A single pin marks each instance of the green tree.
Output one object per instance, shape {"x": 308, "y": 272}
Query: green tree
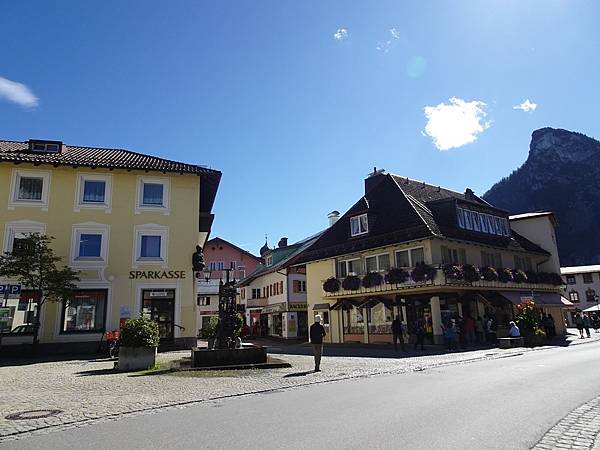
{"x": 35, "y": 266}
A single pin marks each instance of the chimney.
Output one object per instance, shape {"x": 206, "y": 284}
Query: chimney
{"x": 373, "y": 179}
{"x": 333, "y": 217}
{"x": 282, "y": 242}
{"x": 469, "y": 194}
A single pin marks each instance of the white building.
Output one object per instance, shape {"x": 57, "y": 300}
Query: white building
{"x": 583, "y": 285}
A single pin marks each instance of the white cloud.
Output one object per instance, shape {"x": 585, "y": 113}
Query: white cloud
{"x": 17, "y": 93}
{"x": 454, "y": 124}
{"x": 341, "y": 34}
{"x": 395, "y": 33}
{"x": 526, "y": 106}
{"x": 384, "y": 46}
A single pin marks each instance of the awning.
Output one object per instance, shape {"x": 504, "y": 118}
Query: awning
{"x": 539, "y": 298}
{"x": 321, "y": 306}
{"x": 346, "y": 304}
{"x": 592, "y": 309}
{"x": 372, "y": 301}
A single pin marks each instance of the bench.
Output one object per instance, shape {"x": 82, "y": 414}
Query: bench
{"x": 509, "y": 342}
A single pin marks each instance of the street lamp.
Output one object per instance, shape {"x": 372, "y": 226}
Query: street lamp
{"x": 207, "y": 273}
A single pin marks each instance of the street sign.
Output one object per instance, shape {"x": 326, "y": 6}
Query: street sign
{"x": 13, "y": 290}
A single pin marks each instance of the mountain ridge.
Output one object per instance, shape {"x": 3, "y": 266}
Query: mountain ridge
{"x": 562, "y": 175}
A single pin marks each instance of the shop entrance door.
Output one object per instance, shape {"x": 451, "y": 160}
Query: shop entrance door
{"x": 159, "y": 305}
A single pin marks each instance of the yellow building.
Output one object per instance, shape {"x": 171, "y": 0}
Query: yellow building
{"x": 128, "y": 222}
{"x": 429, "y": 255}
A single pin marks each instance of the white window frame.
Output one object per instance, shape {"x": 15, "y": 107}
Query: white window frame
{"x": 379, "y": 269}
{"x": 409, "y": 252}
{"x": 165, "y": 207}
{"x": 17, "y": 174}
{"x": 346, "y": 261}
{"x": 358, "y": 218}
{"x": 269, "y": 260}
{"x": 151, "y": 229}
{"x": 82, "y": 177}
{"x": 11, "y": 229}
{"x": 89, "y": 228}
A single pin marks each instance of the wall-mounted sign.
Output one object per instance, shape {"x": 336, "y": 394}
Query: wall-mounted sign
{"x": 12, "y": 290}
{"x": 156, "y": 274}
{"x": 297, "y": 307}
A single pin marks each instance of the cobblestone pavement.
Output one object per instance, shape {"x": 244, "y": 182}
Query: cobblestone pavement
{"x": 578, "y": 430}
{"x": 86, "y": 391}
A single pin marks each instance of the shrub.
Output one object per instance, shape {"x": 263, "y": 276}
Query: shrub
{"x": 331, "y": 285}
{"x": 209, "y": 330}
{"x": 351, "y": 283}
{"x": 519, "y": 276}
{"x": 140, "y": 332}
{"x": 489, "y": 273}
{"x": 505, "y": 275}
{"x": 372, "y": 279}
{"x": 471, "y": 273}
{"x": 397, "y": 276}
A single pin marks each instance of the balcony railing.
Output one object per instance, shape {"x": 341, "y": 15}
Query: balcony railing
{"x": 440, "y": 281}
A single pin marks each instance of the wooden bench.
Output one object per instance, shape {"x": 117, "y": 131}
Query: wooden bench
{"x": 509, "y": 342}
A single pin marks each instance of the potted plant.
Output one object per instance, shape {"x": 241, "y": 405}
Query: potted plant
{"x": 331, "y": 285}
{"x": 532, "y": 276}
{"x": 471, "y": 273}
{"x": 505, "y": 275}
{"x": 489, "y": 273}
{"x": 453, "y": 272}
{"x": 372, "y": 279}
{"x": 139, "y": 340}
{"x": 423, "y": 272}
{"x": 396, "y": 276}
{"x": 519, "y": 276}
{"x": 351, "y": 283}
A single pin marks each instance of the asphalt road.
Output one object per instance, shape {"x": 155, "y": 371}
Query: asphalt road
{"x": 499, "y": 404}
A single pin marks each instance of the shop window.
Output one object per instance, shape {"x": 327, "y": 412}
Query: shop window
{"x": 587, "y": 278}
{"x": 324, "y": 317}
{"x": 85, "y": 312}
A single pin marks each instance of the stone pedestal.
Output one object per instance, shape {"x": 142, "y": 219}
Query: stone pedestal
{"x": 202, "y": 357}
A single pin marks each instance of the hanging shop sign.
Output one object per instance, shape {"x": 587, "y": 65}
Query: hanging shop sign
{"x": 156, "y": 274}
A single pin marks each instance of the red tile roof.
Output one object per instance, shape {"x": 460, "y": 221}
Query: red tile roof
{"x": 113, "y": 158}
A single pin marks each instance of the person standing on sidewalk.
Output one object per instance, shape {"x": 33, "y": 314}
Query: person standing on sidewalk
{"x": 579, "y": 325}
{"x": 420, "y": 333}
{"x": 317, "y": 332}
{"x": 397, "y": 334}
{"x": 586, "y": 324}
{"x": 469, "y": 326}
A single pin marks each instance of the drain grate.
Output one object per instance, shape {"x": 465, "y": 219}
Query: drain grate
{"x": 33, "y": 414}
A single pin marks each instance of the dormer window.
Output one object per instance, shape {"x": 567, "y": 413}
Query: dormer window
{"x": 269, "y": 260}
{"x": 45, "y": 146}
{"x": 359, "y": 225}
{"x": 483, "y": 223}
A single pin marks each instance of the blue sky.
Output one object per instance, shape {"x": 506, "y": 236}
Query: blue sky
{"x": 296, "y": 102}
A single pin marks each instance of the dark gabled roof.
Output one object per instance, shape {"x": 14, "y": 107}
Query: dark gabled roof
{"x": 217, "y": 239}
{"x": 403, "y": 210}
{"x": 282, "y": 257}
{"x": 111, "y": 158}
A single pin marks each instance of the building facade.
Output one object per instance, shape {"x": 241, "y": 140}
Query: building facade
{"x": 127, "y": 222}
{"x": 220, "y": 255}
{"x": 582, "y": 288}
{"x": 428, "y": 255}
{"x": 274, "y": 295}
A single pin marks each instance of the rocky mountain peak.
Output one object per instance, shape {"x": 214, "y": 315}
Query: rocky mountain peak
{"x": 562, "y": 175}
{"x": 556, "y": 143}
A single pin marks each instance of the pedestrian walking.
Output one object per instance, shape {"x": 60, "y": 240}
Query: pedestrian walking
{"x": 579, "y": 324}
{"x": 480, "y": 329}
{"x": 420, "y": 333}
{"x": 450, "y": 335}
{"x": 469, "y": 326}
{"x": 317, "y": 333}
{"x": 586, "y": 324}
{"x": 397, "y": 334}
